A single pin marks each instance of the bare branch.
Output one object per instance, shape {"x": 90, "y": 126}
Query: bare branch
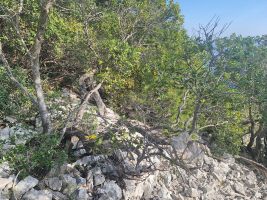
{"x": 81, "y": 109}
{"x": 181, "y": 106}
{"x": 212, "y": 125}
{"x": 195, "y": 115}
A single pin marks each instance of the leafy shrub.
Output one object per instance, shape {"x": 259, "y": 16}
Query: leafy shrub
{"x": 12, "y": 101}
{"x": 227, "y": 139}
{"x": 36, "y": 157}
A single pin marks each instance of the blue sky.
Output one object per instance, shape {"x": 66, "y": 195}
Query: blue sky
{"x": 247, "y": 17}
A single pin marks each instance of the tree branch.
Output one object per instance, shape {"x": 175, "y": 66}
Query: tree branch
{"x": 81, "y": 109}
{"x": 181, "y": 106}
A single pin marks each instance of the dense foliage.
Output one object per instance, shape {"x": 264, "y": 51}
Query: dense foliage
{"x": 150, "y": 68}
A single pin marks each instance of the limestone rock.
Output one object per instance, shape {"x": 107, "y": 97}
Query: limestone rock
{"x": 37, "y": 194}
{"x": 87, "y": 160}
{"x": 5, "y": 170}
{"x": 239, "y": 188}
{"x": 10, "y": 119}
{"x": 82, "y": 194}
{"x": 99, "y": 179}
{"x": 180, "y": 142}
{"x": 54, "y": 183}
{"x": 134, "y": 190}
{"x": 90, "y": 181}
{"x": 69, "y": 184}
{"x": 58, "y": 195}
{"x": 4, "y": 195}
{"x": 110, "y": 191}
{"x": 81, "y": 182}
{"x": 24, "y": 186}
{"x": 192, "y": 192}
{"x": 4, "y": 133}
{"x": 4, "y": 182}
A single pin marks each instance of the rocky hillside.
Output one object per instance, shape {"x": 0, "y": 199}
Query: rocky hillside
{"x": 181, "y": 168}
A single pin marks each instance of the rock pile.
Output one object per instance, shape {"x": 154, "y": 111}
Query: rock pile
{"x": 121, "y": 176}
{"x": 99, "y": 177}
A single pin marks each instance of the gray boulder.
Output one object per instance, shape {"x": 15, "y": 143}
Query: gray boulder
{"x": 37, "y": 195}
{"x": 110, "y": 191}
{"x": 5, "y": 170}
{"x": 54, "y": 183}
{"x": 179, "y": 142}
{"x": 6, "y": 182}
{"x": 24, "y": 186}
{"x": 82, "y": 194}
{"x": 69, "y": 184}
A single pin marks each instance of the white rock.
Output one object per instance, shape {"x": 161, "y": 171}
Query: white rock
{"x": 5, "y": 133}
{"x": 37, "y": 195}
{"x": 99, "y": 179}
{"x": 220, "y": 172}
{"x": 24, "y": 186}
{"x": 89, "y": 160}
{"x": 82, "y": 194}
{"x": 96, "y": 171}
{"x": 74, "y": 140}
{"x": 90, "y": 181}
{"x": 228, "y": 191}
{"x": 81, "y": 182}
{"x": 134, "y": 189}
{"x": 54, "y": 183}
{"x": 239, "y": 188}
{"x": 4, "y": 182}
{"x": 194, "y": 154}
{"x": 149, "y": 187}
{"x": 4, "y": 195}
{"x": 180, "y": 142}
{"x": 167, "y": 177}
{"x": 69, "y": 183}
{"x": 228, "y": 158}
{"x": 10, "y": 119}
{"x": 58, "y": 195}
{"x": 164, "y": 193}
{"x": 110, "y": 191}
{"x": 192, "y": 192}
{"x": 5, "y": 170}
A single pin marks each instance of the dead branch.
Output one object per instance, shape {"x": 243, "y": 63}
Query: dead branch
{"x": 195, "y": 115}
{"x": 212, "y": 125}
{"x": 181, "y": 106}
{"x": 81, "y": 109}
{"x": 99, "y": 102}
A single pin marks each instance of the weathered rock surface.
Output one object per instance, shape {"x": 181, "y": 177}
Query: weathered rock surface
{"x": 198, "y": 176}
{"x": 54, "y": 183}
{"x": 24, "y": 186}
{"x": 110, "y": 191}
{"x": 37, "y": 194}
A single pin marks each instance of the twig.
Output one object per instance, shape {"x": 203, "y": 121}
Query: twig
{"x": 79, "y": 110}
{"x": 14, "y": 181}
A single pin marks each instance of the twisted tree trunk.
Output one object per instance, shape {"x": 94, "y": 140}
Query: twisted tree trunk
{"x": 35, "y": 65}
{"x": 34, "y": 57}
